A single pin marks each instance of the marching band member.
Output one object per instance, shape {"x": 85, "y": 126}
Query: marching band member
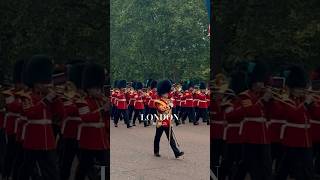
{"x": 122, "y": 106}
{"x": 153, "y": 96}
{"x": 39, "y": 143}
{"x": 202, "y": 103}
{"x": 13, "y": 112}
{"x": 138, "y": 104}
{"x": 71, "y": 120}
{"x": 189, "y": 108}
{"x": 93, "y": 132}
{"x": 234, "y": 114}
{"x": 253, "y": 129}
{"x": 164, "y": 107}
{"x": 295, "y": 133}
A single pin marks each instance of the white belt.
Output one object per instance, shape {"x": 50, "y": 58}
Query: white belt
{"x": 276, "y": 121}
{"x": 314, "y": 121}
{"x": 6, "y": 117}
{"x": 257, "y": 119}
{"x": 91, "y": 125}
{"x": 293, "y": 125}
{"x": 22, "y": 118}
{"x": 68, "y": 119}
{"x": 122, "y": 100}
{"x": 234, "y": 125}
{"x": 189, "y": 99}
{"x": 35, "y": 122}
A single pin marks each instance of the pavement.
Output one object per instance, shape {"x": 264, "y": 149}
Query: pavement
{"x": 132, "y": 154}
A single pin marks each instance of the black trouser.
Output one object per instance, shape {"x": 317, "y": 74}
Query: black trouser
{"x": 124, "y": 113}
{"x": 153, "y": 111}
{"x": 2, "y": 149}
{"x": 256, "y": 161}
{"x": 130, "y": 110}
{"x": 188, "y": 112}
{"x": 276, "y": 154}
{"x": 181, "y": 112}
{"x": 231, "y": 161}
{"x": 10, "y": 155}
{"x": 45, "y": 161}
{"x": 113, "y": 111}
{"x": 90, "y": 163}
{"x": 18, "y": 162}
{"x": 316, "y": 156}
{"x": 174, "y": 114}
{"x": 157, "y": 139}
{"x": 137, "y": 114}
{"x": 296, "y": 162}
{"x": 203, "y": 113}
{"x": 69, "y": 150}
{"x": 216, "y": 152}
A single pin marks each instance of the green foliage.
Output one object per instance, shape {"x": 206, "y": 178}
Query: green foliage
{"x": 271, "y": 29}
{"x": 62, "y": 29}
{"x": 159, "y": 39}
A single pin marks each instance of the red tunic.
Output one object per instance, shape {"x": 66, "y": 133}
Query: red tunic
{"x": 253, "y": 127}
{"x": 314, "y": 112}
{"x": 188, "y": 97}
{"x": 296, "y": 131}
{"x": 71, "y": 120}
{"x": 138, "y": 103}
{"x": 202, "y": 100}
{"x": 153, "y": 96}
{"x": 93, "y": 133}
{"x": 38, "y": 132}
{"x": 13, "y": 110}
{"x": 218, "y": 120}
{"x": 121, "y": 101}
{"x": 234, "y": 114}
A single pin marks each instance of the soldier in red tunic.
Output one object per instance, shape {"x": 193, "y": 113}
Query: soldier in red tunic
{"x": 39, "y": 143}
{"x": 93, "y": 132}
{"x": 253, "y": 130}
{"x": 189, "y": 106}
{"x": 13, "y": 111}
{"x": 233, "y": 114}
{"x": 113, "y": 99}
{"x": 138, "y": 104}
{"x": 295, "y": 133}
{"x": 202, "y": 103}
{"x": 122, "y": 105}
{"x": 71, "y": 120}
{"x": 153, "y": 96}
{"x": 164, "y": 124}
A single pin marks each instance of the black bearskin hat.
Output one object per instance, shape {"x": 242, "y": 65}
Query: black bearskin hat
{"x": 75, "y": 74}
{"x": 297, "y": 77}
{"x": 239, "y": 82}
{"x": 139, "y": 85}
{"x": 190, "y": 85}
{"x": 115, "y": 85}
{"x": 202, "y": 85}
{"x": 185, "y": 86}
{"x": 259, "y": 73}
{"x": 149, "y": 82}
{"x": 39, "y": 70}
{"x": 122, "y": 84}
{"x": 93, "y": 76}
{"x": 17, "y": 71}
{"x": 153, "y": 84}
{"x": 164, "y": 87}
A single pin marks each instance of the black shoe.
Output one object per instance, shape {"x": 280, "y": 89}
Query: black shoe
{"x": 183, "y": 122}
{"x": 179, "y": 154}
{"x": 133, "y": 124}
{"x": 128, "y": 126}
{"x": 157, "y": 155}
{"x": 195, "y": 123}
{"x": 116, "y": 125}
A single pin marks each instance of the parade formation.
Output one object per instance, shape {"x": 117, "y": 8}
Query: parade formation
{"x": 265, "y": 124}
{"x": 51, "y": 114}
